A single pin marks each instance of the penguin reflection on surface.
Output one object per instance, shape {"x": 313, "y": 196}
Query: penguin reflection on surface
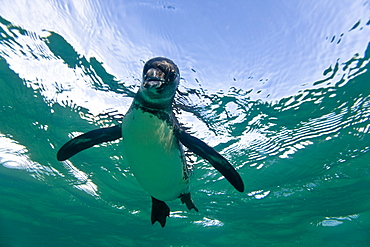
{"x": 152, "y": 141}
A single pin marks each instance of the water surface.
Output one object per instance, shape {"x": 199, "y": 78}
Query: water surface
{"x": 281, "y": 89}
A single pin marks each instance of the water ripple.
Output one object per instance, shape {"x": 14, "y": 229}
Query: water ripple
{"x": 281, "y": 147}
{"x": 257, "y": 132}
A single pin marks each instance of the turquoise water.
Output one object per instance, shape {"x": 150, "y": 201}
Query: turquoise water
{"x": 281, "y": 90}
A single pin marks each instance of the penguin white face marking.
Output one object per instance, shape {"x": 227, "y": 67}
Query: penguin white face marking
{"x": 160, "y": 80}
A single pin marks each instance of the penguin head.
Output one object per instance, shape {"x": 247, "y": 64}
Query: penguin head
{"x": 161, "y": 78}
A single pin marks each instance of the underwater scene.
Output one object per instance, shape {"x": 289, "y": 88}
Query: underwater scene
{"x": 281, "y": 89}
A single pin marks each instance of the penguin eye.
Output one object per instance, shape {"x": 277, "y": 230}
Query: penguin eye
{"x": 171, "y": 75}
{"x": 169, "y": 72}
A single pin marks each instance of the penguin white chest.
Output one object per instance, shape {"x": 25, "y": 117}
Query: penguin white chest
{"x": 154, "y": 155}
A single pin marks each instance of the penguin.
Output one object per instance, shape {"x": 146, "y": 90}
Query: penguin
{"x": 153, "y": 142}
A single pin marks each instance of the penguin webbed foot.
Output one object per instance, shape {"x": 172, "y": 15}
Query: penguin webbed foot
{"x": 160, "y": 211}
{"x": 185, "y": 198}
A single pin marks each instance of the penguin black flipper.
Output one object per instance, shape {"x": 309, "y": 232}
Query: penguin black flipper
{"x": 217, "y": 161}
{"x": 88, "y": 140}
{"x": 160, "y": 211}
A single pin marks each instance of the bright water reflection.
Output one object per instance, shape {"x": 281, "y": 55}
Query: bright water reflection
{"x": 276, "y": 49}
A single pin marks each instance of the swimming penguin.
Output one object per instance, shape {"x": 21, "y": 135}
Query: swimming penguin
{"x": 152, "y": 141}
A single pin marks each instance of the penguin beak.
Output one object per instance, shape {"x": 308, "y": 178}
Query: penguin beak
{"x": 155, "y": 83}
{"x": 154, "y": 78}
